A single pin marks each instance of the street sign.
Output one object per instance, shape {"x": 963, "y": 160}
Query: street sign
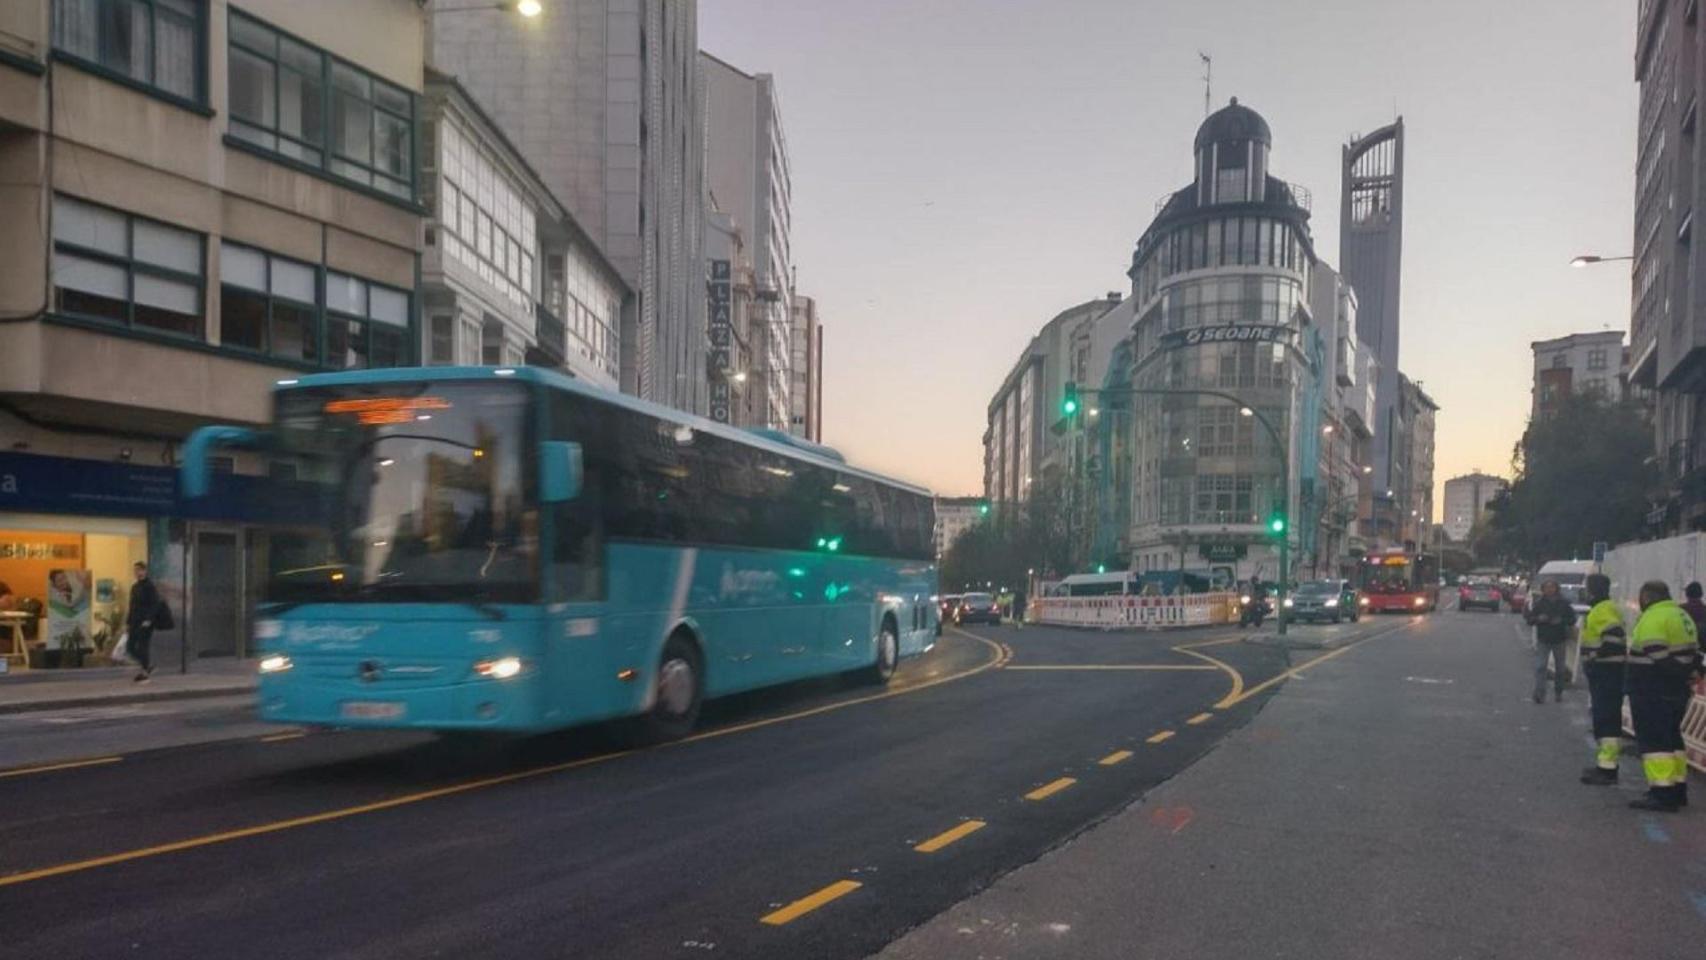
{"x": 1228, "y": 333}
{"x": 1599, "y": 551}
{"x": 1223, "y": 552}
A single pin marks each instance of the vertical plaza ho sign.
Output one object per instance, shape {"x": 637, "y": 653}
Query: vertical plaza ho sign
{"x": 721, "y": 333}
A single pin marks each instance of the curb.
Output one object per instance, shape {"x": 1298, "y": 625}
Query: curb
{"x": 123, "y": 699}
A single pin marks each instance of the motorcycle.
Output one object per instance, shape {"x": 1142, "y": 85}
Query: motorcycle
{"x": 1252, "y": 610}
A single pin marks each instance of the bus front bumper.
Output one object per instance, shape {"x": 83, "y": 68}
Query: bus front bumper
{"x": 512, "y": 705}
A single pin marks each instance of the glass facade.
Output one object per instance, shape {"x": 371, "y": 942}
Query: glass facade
{"x": 154, "y": 43}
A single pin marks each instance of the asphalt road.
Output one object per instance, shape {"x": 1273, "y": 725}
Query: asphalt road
{"x": 791, "y": 826}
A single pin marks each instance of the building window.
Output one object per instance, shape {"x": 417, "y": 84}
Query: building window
{"x": 366, "y": 324}
{"x": 272, "y": 305}
{"x": 115, "y": 267}
{"x": 1560, "y": 361}
{"x": 442, "y": 348}
{"x": 1596, "y": 359}
{"x": 302, "y": 103}
{"x": 155, "y": 43}
{"x": 487, "y": 224}
{"x": 268, "y": 304}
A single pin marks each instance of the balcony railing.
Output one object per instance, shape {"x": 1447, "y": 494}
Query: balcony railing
{"x": 552, "y": 334}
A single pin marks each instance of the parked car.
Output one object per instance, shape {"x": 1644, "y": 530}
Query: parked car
{"x": 1332, "y": 600}
{"x": 977, "y": 608}
{"x": 1479, "y": 593}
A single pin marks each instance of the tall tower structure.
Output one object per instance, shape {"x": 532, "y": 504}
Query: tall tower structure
{"x": 1371, "y": 243}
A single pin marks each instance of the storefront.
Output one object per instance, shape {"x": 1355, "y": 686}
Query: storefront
{"x": 72, "y": 529}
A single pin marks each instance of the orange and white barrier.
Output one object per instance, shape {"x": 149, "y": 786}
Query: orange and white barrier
{"x": 1117, "y": 612}
{"x": 1694, "y": 729}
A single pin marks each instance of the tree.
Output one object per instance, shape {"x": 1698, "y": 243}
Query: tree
{"x": 1581, "y": 475}
{"x": 1033, "y": 534}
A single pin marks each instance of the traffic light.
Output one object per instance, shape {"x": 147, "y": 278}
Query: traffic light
{"x": 983, "y": 509}
{"x": 1069, "y": 401}
{"x": 1276, "y": 523}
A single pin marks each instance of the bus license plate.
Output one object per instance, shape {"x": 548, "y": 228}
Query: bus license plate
{"x": 371, "y": 710}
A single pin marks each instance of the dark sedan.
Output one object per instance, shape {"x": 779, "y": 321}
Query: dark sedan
{"x": 978, "y": 608}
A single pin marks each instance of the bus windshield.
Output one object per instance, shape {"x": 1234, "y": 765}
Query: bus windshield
{"x": 1391, "y": 575}
{"x": 424, "y": 493}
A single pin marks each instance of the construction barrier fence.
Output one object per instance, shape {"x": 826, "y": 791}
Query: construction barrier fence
{"x": 1116, "y": 612}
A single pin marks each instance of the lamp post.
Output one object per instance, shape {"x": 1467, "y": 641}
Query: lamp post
{"x": 1280, "y": 447}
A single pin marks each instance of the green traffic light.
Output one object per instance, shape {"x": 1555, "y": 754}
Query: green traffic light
{"x": 1277, "y": 524}
{"x": 983, "y": 509}
{"x": 1070, "y": 407}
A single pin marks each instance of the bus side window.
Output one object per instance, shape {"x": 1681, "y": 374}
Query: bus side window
{"x": 577, "y": 548}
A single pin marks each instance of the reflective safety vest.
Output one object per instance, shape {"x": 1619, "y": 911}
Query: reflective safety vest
{"x": 1602, "y": 633}
{"x": 1665, "y": 634}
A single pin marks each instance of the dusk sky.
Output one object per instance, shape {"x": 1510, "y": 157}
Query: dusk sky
{"x": 965, "y": 169}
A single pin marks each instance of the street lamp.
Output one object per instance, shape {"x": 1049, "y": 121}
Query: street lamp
{"x": 1587, "y": 258}
{"x": 524, "y": 8}
{"x": 1367, "y": 468}
{"x": 1327, "y": 430}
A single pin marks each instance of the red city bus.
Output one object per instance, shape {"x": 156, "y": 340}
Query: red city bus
{"x": 1400, "y": 581}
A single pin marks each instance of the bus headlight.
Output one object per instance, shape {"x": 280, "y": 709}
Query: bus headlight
{"x": 277, "y": 663}
{"x": 500, "y": 669}
{"x": 1363, "y": 601}
{"x": 1421, "y": 601}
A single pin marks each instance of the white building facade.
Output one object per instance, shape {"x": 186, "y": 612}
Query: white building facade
{"x": 508, "y": 276}
{"x": 954, "y": 516}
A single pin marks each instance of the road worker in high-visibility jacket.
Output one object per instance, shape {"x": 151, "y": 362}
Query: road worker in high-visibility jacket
{"x": 1663, "y": 652}
{"x": 1604, "y": 648}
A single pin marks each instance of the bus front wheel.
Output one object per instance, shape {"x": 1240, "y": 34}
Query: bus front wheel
{"x": 677, "y": 693}
{"x": 888, "y": 655}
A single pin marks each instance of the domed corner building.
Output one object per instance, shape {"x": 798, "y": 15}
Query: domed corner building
{"x": 1221, "y": 281}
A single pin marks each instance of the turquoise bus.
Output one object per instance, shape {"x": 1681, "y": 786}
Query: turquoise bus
{"x": 510, "y": 549}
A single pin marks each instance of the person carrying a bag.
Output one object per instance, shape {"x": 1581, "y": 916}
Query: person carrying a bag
{"x": 148, "y": 612}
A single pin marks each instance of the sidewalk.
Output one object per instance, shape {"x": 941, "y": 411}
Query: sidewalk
{"x": 1404, "y": 800}
{"x": 34, "y": 690}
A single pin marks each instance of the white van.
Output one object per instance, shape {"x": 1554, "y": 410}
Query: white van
{"x": 1572, "y": 577}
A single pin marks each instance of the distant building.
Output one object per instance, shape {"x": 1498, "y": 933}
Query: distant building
{"x": 1339, "y": 497}
{"x": 1414, "y": 503}
{"x": 747, "y": 178}
{"x": 1371, "y": 242}
{"x": 954, "y": 516}
{"x": 1021, "y": 439}
{"x": 604, "y": 99}
{"x": 1578, "y": 363}
{"x": 1466, "y": 500}
{"x": 806, "y": 397}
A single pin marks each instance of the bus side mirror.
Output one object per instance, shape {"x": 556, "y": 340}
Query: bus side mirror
{"x": 193, "y": 473}
{"x": 559, "y": 471}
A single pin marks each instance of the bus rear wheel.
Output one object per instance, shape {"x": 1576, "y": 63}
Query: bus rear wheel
{"x": 677, "y": 693}
{"x": 888, "y": 655}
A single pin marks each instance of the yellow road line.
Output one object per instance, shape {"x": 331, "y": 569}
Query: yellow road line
{"x": 946, "y": 837}
{"x": 1233, "y": 695}
{"x": 1118, "y": 756}
{"x": 1200, "y": 718}
{"x": 277, "y": 826}
{"x": 1161, "y": 737}
{"x": 805, "y": 905}
{"x": 67, "y": 765}
{"x": 1112, "y": 666}
{"x": 1050, "y": 789}
{"x": 281, "y": 737}
{"x": 1294, "y": 671}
